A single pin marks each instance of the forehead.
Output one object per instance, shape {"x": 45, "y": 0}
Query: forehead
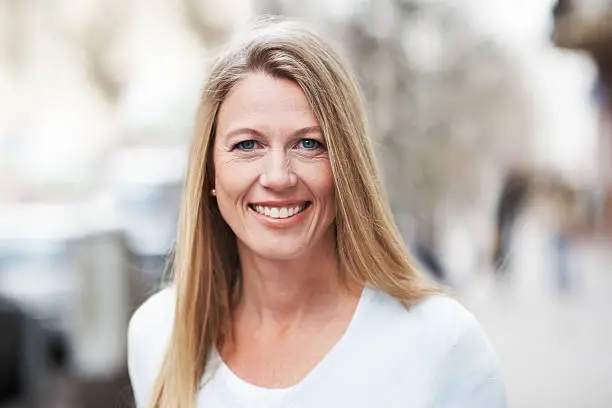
{"x": 262, "y": 97}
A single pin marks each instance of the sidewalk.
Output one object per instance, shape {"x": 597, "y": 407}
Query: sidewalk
{"x": 555, "y": 348}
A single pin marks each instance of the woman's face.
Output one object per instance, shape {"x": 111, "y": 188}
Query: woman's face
{"x": 273, "y": 178}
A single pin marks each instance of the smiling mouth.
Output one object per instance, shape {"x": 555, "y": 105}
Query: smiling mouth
{"x": 280, "y": 212}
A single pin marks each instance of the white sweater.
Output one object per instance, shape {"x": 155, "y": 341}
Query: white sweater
{"x": 434, "y": 355}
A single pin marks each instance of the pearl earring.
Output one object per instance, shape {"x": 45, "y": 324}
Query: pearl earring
{"x": 213, "y": 192}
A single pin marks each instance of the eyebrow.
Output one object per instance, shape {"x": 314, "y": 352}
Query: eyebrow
{"x": 256, "y": 133}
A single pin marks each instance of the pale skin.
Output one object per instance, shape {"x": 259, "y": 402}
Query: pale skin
{"x": 269, "y": 153}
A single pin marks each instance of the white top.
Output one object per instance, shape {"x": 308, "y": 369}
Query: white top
{"x": 247, "y": 394}
{"x": 434, "y": 355}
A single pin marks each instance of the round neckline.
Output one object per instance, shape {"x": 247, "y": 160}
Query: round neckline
{"x": 230, "y": 376}
{"x": 366, "y": 294}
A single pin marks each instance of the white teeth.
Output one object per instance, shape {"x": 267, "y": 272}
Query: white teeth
{"x": 279, "y": 212}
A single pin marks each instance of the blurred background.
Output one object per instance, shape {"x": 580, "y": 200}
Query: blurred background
{"x": 492, "y": 122}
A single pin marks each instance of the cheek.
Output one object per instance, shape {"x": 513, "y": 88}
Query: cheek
{"x": 230, "y": 185}
{"x": 232, "y": 178}
{"x": 321, "y": 181}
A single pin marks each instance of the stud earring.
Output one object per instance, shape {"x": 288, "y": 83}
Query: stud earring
{"x": 213, "y": 192}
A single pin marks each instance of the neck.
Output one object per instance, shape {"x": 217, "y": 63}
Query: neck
{"x": 282, "y": 293}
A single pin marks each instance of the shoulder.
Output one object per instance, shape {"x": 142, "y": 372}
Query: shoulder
{"x": 428, "y": 328}
{"x": 463, "y": 335}
{"x": 447, "y": 315}
{"x": 149, "y": 332}
{"x": 444, "y": 339}
{"x": 436, "y": 316}
{"x": 160, "y": 304}
{"x": 468, "y": 371}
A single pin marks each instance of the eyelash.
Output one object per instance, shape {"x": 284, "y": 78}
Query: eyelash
{"x": 240, "y": 145}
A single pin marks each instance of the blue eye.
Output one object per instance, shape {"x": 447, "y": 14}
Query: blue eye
{"x": 309, "y": 144}
{"x": 247, "y": 145}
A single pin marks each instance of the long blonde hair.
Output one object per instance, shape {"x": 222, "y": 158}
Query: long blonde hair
{"x": 369, "y": 247}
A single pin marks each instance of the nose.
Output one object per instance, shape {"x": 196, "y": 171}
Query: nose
{"x": 277, "y": 173}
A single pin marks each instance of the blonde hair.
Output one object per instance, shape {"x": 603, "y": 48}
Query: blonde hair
{"x": 369, "y": 248}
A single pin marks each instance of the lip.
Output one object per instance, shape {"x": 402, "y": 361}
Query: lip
{"x": 280, "y": 222}
{"x": 284, "y": 203}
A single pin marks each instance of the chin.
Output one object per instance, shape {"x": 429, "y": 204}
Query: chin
{"x": 279, "y": 252}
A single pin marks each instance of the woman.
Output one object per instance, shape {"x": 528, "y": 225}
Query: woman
{"x": 291, "y": 285}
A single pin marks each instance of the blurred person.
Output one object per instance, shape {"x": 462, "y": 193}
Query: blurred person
{"x": 512, "y": 200}
{"x": 520, "y": 187}
{"x": 24, "y": 357}
{"x": 11, "y": 376}
{"x": 561, "y": 8}
{"x": 291, "y": 286}
{"x": 428, "y": 256}
{"x": 422, "y": 246}
{"x": 565, "y": 200}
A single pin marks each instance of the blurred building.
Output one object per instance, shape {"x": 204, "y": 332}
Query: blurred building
{"x": 586, "y": 26}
